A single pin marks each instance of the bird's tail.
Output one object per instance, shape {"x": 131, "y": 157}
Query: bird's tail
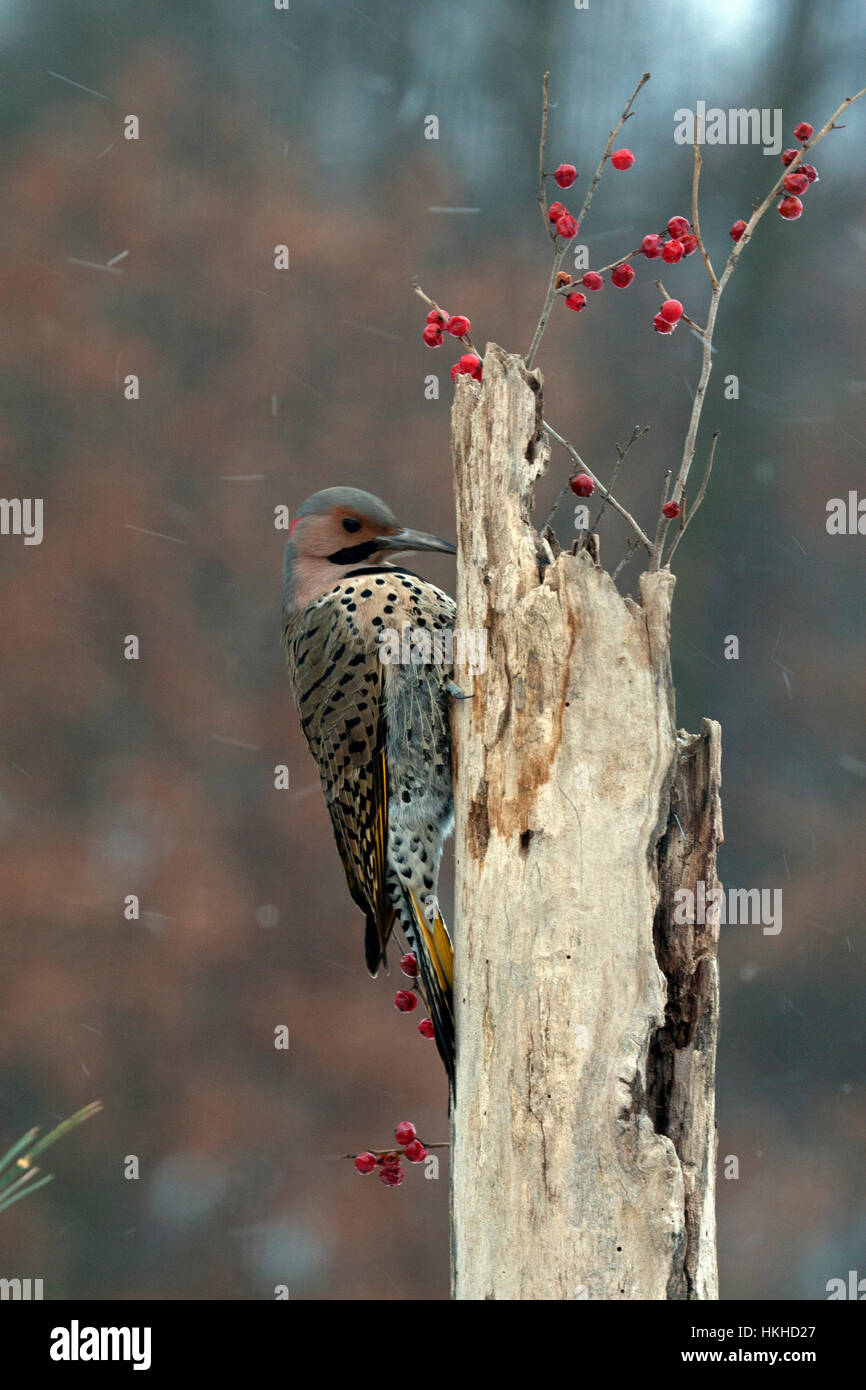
{"x": 435, "y": 956}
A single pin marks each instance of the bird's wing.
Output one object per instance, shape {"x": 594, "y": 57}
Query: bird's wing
{"x": 338, "y": 683}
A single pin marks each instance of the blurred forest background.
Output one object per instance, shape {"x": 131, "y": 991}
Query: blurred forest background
{"x": 155, "y": 777}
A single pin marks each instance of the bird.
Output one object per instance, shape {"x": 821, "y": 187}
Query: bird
{"x": 371, "y": 669}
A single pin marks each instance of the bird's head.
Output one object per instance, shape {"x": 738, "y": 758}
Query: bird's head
{"x": 337, "y": 530}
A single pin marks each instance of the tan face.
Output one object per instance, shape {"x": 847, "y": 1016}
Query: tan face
{"x": 340, "y": 529}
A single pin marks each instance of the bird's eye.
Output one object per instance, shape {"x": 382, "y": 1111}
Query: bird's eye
{"x": 351, "y": 523}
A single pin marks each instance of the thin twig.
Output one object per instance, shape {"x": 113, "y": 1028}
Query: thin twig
{"x": 696, "y": 225}
{"x": 632, "y": 547}
{"x": 596, "y": 178}
{"x": 446, "y": 1144}
{"x": 559, "y": 252}
{"x": 555, "y": 508}
{"x": 698, "y": 500}
{"x": 637, "y": 433}
{"x": 662, "y": 526}
{"x": 558, "y": 257}
{"x": 606, "y": 494}
{"x": 542, "y": 192}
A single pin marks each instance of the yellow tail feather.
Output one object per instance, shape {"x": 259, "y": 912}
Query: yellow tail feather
{"x": 439, "y": 947}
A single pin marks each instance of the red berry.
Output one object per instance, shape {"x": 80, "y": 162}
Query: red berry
{"x": 405, "y": 1001}
{"x": 788, "y": 156}
{"x": 389, "y": 1160}
{"x": 652, "y": 246}
{"x": 426, "y": 1028}
{"x": 797, "y": 182}
{"x": 672, "y": 251}
{"x": 415, "y": 1151}
{"x": 575, "y": 301}
{"x": 622, "y": 159}
{"x": 811, "y": 172}
{"x": 469, "y": 365}
{"x": 433, "y": 335}
{"x": 437, "y": 316}
{"x": 566, "y": 226}
{"x": 670, "y": 510}
{"x": 592, "y": 280}
{"x": 409, "y": 964}
{"x": 582, "y": 485}
{"x": 365, "y": 1163}
{"x": 556, "y": 210}
{"x": 565, "y": 175}
{"x": 459, "y": 325}
{"x": 671, "y": 310}
{"x": 803, "y": 131}
{"x": 392, "y": 1177}
{"x": 679, "y": 227}
{"x": 790, "y": 209}
{"x": 622, "y": 275}
{"x": 689, "y": 244}
{"x": 405, "y": 1132}
{"x": 737, "y": 230}
{"x": 661, "y": 325}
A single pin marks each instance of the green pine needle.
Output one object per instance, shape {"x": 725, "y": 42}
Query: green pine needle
{"x": 16, "y": 1165}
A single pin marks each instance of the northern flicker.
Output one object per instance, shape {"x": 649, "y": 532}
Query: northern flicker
{"x": 373, "y": 704}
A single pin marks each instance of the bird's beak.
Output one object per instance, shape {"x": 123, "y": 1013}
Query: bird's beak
{"x": 404, "y": 539}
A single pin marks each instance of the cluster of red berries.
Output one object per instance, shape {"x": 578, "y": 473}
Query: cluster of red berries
{"x": 406, "y": 1000}
{"x": 438, "y": 324}
{"x": 621, "y": 276}
{"x": 680, "y": 242}
{"x": 566, "y": 225}
{"x": 390, "y": 1163}
{"x": 790, "y": 206}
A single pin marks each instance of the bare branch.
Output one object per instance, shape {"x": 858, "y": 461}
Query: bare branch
{"x": 632, "y": 547}
{"x": 395, "y": 1148}
{"x": 542, "y": 192}
{"x": 698, "y": 500}
{"x": 596, "y": 178}
{"x": 662, "y": 526}
{"x": 696, "y": 225}
{"x": 558, "y": 256}
{"x": 637, "y": 433}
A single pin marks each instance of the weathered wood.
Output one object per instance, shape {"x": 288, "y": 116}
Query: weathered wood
{"x": 583, "y": 1139}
